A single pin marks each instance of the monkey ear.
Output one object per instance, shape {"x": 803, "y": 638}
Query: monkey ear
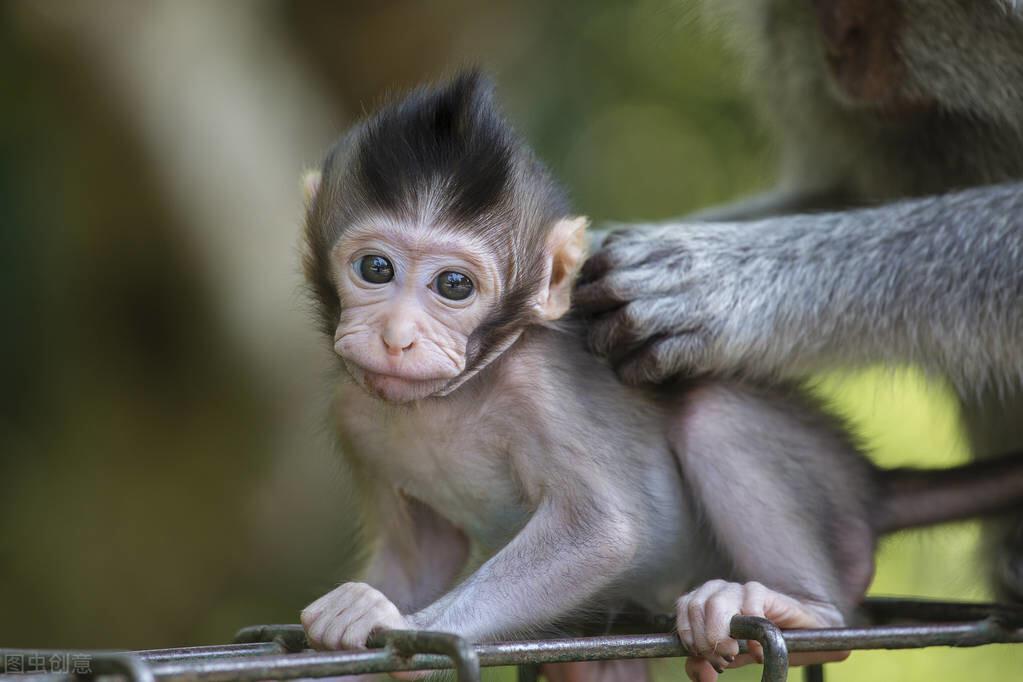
{"x": 310, "y": 186}
{"x": 566, "y": 251}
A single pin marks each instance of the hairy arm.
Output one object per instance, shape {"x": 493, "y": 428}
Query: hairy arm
{"x": 566, "y": 554}
{"x": 417, "y": 558}
{"x": 416, "y": 555}
{"x": 935, "y": 281}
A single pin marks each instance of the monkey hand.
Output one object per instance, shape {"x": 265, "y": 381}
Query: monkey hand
{"x": 704, "y": 617}
{"x": 346, "y": 617}
{"x": 666, "y": 299}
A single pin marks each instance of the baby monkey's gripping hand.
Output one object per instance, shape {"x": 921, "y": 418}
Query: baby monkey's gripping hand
{"x": 346, "y": 617}
{"x": 671, "y": 299}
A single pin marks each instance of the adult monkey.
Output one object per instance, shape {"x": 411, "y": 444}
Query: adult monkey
{"x": 901, "y": 125}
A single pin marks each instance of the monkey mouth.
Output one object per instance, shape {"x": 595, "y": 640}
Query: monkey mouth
{"x": 394, "y": 388}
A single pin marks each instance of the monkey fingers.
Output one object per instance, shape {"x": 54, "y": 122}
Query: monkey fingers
{"x": 620, "y": 282}
{"x": 613, "y": 334}
{"x": 346, "y": 617}
{"x": 651, "y": 335}
{"x": 604, "y": 259}
{"x": 704, "y": 618}
{"x": 663, "y": 357}
{"x": 654, "y": 310}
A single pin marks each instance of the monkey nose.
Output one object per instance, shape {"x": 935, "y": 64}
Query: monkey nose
{"x": 398, "y": 349}
{"x": 398, "y": 343}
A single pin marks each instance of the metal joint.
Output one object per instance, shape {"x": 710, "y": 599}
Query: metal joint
{"x": 776, "y": 651}
{"x": 408, "y": 643}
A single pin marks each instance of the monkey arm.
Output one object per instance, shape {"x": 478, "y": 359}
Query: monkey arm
{"x": 417, "y": 556}
{"x": 935, "y": 281}
{"x": 566, "y": 553}
{"x": 773, "y": 202}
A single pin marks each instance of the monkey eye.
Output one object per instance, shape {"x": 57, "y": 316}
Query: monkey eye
{"x": 375, "y": 269}
{"x": 454, "y": 285}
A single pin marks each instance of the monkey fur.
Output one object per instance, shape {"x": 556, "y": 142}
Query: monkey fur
{"x": 511, "y": 482}
{"x": 894, "y": 234}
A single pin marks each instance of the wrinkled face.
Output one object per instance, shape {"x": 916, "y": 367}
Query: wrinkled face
{"x": 410, "y": 298}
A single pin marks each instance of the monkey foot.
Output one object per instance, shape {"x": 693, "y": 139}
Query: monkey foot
{"x": 704, "y": 618}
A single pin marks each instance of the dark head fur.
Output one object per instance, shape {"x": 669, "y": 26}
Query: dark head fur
{"x": 442, "y": 156}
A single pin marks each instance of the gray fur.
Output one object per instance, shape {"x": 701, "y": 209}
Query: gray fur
{"x": 792, "y": 295}
{"x": 920, "y": 260}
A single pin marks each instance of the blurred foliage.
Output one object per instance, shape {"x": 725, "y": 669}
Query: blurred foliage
{"x": 136, "y": 444}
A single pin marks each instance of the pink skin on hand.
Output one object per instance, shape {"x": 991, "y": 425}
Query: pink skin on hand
{"x": 704, "y": 619}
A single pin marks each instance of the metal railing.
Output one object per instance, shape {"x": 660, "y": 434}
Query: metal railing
{"x": 279, "y": 651}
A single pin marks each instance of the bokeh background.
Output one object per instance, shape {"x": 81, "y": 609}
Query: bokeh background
{"x": 165, "y": 473}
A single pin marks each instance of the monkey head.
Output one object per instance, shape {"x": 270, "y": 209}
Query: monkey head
{"x": 433, "y": 238}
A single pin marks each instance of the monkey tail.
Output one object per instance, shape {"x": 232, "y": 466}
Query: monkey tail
{"x": 912, "y": 498}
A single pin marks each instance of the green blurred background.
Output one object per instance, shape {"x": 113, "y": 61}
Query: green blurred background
{"x": 165, "y": 471}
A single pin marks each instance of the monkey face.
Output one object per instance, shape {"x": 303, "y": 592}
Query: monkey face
{"x": 411, "y": 296}
{"x": 435, "y": 240}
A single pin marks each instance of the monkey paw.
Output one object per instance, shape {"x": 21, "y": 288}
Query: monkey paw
{"x": 659, "y": 300}
{"x": 346, "y": 617}
{"x": 704, "y": 617}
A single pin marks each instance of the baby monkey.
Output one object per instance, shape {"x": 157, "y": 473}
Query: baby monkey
{"x": 511, "y": 482}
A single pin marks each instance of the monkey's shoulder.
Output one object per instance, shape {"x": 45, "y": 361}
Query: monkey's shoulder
{"x": 555, "y": 361}
{"x": 573, "y": 402}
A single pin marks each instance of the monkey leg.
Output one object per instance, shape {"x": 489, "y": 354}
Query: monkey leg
{"x": 704, "y": 618}
{"x": 787, "y": 499}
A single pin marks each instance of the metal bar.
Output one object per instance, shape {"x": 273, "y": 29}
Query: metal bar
{"x": 133, "y": 668}
{"x": 81, "y": 663}
{"x": 813, "y": 673}
{"x": 408, "y": 643}
{"x": 776, "y": 652}
{"x": 218, "y": 651}
{"x": 99, "y": 664}
{"x": 292, "y": 666}
{"x": 887, "y": 609}
{"x": 59, "y": 660}
{"x": 320, "y": 664}
{"x": 292, "y": 637}
{"x": 261, "y": 651}
{"x": 903, "y": 636}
